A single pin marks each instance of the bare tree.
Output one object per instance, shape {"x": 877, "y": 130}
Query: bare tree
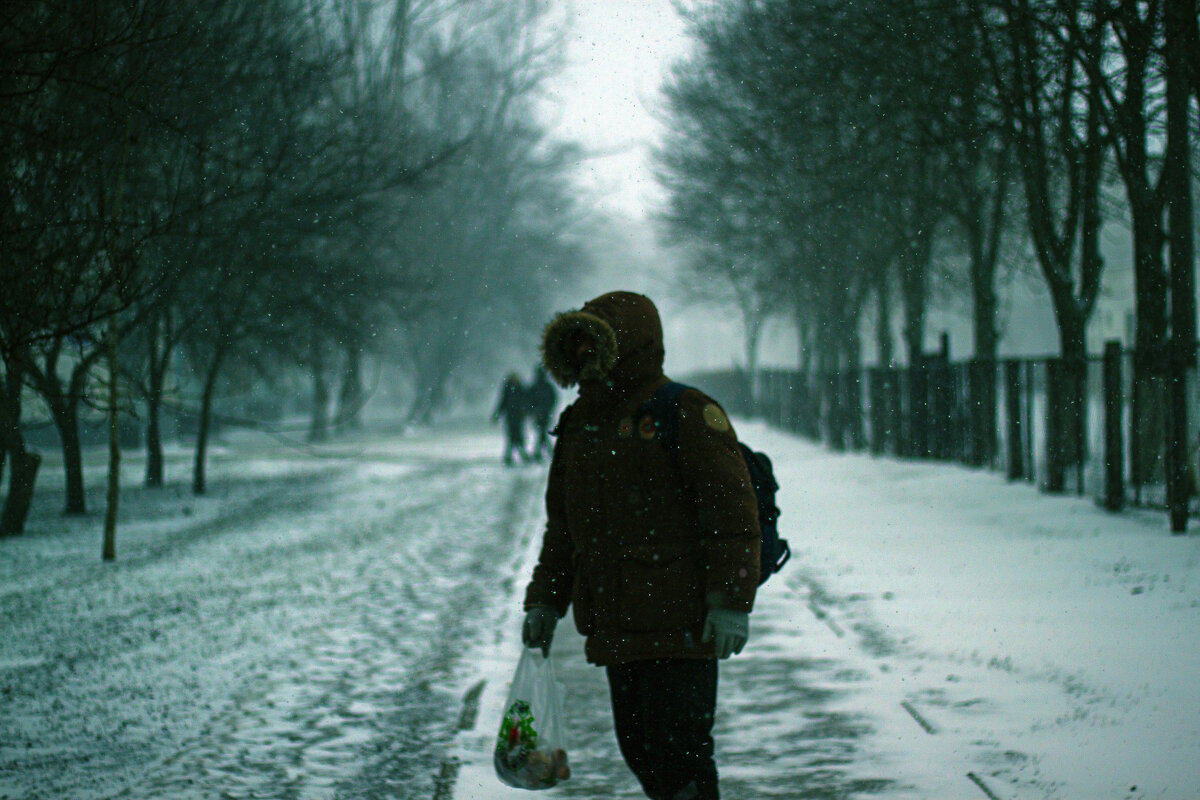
{"x": 1182, "y": 79}
{"x": 1053, "y": 119}
{"x": 492, "y": 228}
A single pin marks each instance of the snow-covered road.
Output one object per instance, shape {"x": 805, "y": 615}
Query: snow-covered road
{"x": 343, "y": 625}
{"x": 297, "y": 633}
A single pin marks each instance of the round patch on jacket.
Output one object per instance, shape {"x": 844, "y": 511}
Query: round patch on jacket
{"x": 715, "y": 418}
{"x": 625, "y": 428}
{"x": 646, "y": 428}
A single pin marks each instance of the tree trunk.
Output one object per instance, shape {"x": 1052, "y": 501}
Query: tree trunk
{"x": 158, "y": 362}
{"x": 805, "y": 339}
{"x": 754, "y": 325}
{"x": 829, "y": 381}
{"x": 1137, "y": 34}
{"x": 1150, "y": 277}
{"x": 1066, "y": 432}
{"x": 318, "y": 428}
{"x": 1150, "y": 344}
{"x": 22, "y": 465}
{"x": 1180, "y": 14}
{"x": 983, "y": 296}
{"x": 350, "y": 398}
{"x": 913, "y": 287}
{"x": 801, "y": 408}
{"x": 113, "y": 497}
{"x": 10, "y": 419}
{"x": 985, "y": 252}
{"x": 22, "y": 478}
{"x": 852, "y": 392}
{"x": 1062, "y": 208}
{"x": 154, "y": 446}
{"x": 427, "y": 401}
{"x": 883, "y": 330}
{"x": 199, "y": 480}
{"x": 914, "y": 271}
{"x": 65, "y": 413}
{"x": 431, "y": 383}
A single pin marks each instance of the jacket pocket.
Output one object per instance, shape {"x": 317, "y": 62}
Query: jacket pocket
{"x": 581, "y": 605}
{"x": 659, "y": 594}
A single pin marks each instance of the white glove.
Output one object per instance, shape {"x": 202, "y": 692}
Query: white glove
{"x": 727, "y": 630}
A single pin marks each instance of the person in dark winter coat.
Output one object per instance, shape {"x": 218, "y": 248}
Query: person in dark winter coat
{"x": 656, "y": 552}
{"x": 542, "y": 400}
{"x": 512, "y": 406}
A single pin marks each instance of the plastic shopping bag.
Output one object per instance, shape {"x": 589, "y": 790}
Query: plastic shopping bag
{"x": 530, "y": 749}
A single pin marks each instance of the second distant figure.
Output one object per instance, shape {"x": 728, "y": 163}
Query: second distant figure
{"x": 542, "y": 398}
{"x": 513, "y": 406}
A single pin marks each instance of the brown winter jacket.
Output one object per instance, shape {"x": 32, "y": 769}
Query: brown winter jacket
{"x": 640, "y": 541}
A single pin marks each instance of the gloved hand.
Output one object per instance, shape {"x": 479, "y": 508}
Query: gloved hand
{"x": 538, "y": 630}
{"x": 727, "y": 630}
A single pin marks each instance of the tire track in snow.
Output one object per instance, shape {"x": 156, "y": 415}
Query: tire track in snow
{"x": 375, "y": 706}
{"x": 307, "y": 662}
{"x": 969, "y": 755}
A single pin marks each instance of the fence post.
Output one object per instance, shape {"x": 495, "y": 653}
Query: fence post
{"x": 1177, "y": 446}
{"x": 852, "y": 411}
{"x": 1015, "y": 428}
{"x": 936, "y": 419}
{"x": 981, "y": 390}
{"x": 938, "y": 412}
{"x": 1077, "y": 443}
{"x": 875, "y": 399}
{"x": 1114, "y": 442}
{"x": 1056, "y": 474}
{"x": 894, "y": 391}
{"x": 1027, "y": 395}
{"x": 794, "y": 401}
{"x": 959, "y": 415}
{"x": 831, "y": 385}
{"x": 918, "y": 409}
{"x": 941, "y": 393}
{"x": 769, "y": 397}
{"x": 808, "y": 406}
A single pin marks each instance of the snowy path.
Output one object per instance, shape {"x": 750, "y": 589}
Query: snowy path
{"x": 939, "y": 634}
{"x": 344, "y": 627}
{"x": 298, "y": 636}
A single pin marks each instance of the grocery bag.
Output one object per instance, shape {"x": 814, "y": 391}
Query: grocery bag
{"x": 530, "y": 751}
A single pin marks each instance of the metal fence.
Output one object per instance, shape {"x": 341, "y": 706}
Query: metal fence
{"x": 1016, "y": 416}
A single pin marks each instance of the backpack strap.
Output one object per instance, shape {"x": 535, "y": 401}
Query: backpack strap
{"x": 664, "y": 410}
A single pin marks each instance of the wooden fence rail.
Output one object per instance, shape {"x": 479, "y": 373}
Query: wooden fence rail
{"x": 1067, "y": 427}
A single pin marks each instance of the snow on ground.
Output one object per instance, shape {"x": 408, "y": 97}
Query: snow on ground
{"x": 315, "y": 626}
{"x": 1041, "y": 627}
{"x": 296, "y": 633}
{"x": 939, "y": 633}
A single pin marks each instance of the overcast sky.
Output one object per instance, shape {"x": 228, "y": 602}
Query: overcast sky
{"x": 618, "y": 52}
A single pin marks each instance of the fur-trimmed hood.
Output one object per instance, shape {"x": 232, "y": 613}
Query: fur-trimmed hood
{"x": 614, "y": 340}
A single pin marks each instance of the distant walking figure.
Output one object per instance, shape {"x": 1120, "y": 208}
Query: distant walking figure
{"x": 512, "y": 405}
{"x": 542, "y": 397}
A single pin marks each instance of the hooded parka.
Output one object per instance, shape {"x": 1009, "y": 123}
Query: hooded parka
{"x": 639, "y": 541}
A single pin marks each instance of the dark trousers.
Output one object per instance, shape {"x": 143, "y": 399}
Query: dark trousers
{"x": 663, "y": 715}
{"x": 514, "y": 441}
{"x": 541, "y": 438}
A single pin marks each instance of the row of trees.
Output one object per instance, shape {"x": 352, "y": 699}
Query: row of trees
{"x": 207, "y": 188}
{"x": 821, "y": 154}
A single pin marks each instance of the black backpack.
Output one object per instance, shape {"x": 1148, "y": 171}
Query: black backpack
{"x": 774, "y": 551}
